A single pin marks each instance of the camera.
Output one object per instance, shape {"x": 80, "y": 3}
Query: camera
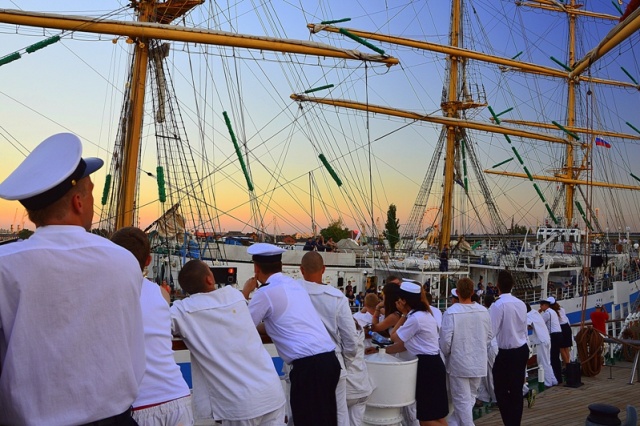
{"x": 224, "y": 275}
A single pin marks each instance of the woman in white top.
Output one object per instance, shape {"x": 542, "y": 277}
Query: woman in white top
{"x": 417, "y": 333}
{"x": 383, "y": 323}
{"x": 567, "y": 337}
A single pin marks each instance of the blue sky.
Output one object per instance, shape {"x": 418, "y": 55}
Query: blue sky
{"x": 76, "y": 85}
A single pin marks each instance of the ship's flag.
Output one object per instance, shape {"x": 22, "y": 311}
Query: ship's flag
{"x": 602, "y": 142}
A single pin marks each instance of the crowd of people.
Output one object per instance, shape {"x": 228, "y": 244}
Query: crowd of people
{"x": 94, "y": 348}
{"x": 319, "y": 244}
{"x": 479, "y": 352}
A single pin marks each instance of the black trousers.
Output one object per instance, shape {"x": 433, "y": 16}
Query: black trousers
{"x": 313, "y": 390}
{"x": 508, "y": 378}
{"x": 123, "y": 419}
{"x": 556, "y": 365}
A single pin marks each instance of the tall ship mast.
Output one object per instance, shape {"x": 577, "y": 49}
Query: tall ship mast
{"x": 578, "y": 138}
{"x": 447, "y": 136}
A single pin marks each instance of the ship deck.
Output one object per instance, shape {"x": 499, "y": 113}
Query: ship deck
{"x": 561, "y": 405}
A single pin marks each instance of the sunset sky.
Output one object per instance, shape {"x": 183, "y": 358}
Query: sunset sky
{"x": 76, "y": 86}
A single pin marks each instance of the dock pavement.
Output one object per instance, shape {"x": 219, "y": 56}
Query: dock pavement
{"x": 567, "y": 406}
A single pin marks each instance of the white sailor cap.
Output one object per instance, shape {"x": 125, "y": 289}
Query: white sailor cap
{"x": 550, "y": 300}
{"x": 265, "y": 253}
{"x": 598, "y": 305}
{"x": 49, "y": 172}
{"x": 454, "y": 293}
{"x": 410, "y": 286}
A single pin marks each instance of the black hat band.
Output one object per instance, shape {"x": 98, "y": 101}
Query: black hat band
{"x": 272, "y": 258}
{"x": 52, "y": 195}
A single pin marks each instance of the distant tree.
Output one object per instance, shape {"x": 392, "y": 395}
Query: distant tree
{"x": 518, "y": 230}
{"x": 392, "y": 228}
{"x": 24, "y": 234}
{"x": 336, "y": 231}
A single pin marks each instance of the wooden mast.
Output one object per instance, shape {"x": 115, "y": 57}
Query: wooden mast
{"x": 131, "y": 145}
{"x": 153, "y": 22}
{"x": 451, "y": 109}
{"x": 571, "y": 172}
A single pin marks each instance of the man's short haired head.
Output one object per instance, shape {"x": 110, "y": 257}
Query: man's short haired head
{"x": 50, "y": 172}
{"x": 464, "y": 288}
{"x": 392, "y": 279}
{"x": 312, "y": 262}
{"x": 57, "y": 211}
{"x": 505, "y": 281}
{"x": 371, "y": 300}
{"x": 193, "y": 276}
{"x": 136, "y": 241}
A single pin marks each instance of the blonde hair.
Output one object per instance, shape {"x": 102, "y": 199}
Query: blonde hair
{"x": 371, "y": 300}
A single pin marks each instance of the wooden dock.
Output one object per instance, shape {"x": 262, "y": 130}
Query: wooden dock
{"x": 567, "y": 406}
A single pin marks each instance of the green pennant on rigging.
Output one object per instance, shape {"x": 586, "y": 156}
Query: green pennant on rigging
{"x": 330, "y": 169}
{"x": 162, "y": 193}
{"x": 237, "y": 148}
{"x": 105, "y": 191}
{"x": 42, "y": 44}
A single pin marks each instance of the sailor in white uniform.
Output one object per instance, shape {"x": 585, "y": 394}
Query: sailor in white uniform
{"x": 552, "y": 321}
{"x": 417, "y": 333}
{"x": 284, "y": 310}
{"x": 164, "y": 398}
{"x": 71, "y": 336}
{"x": 541, "y": 338}
{"x": 234, "y": 380}
{"x": 509, "y": 322}
{"x": 360, "y": 386}
{"x": 464, "y": 337}
{"x": 334, "y": 311}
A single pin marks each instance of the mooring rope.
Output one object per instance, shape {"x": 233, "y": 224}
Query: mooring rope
{"x": 590, "y": 348}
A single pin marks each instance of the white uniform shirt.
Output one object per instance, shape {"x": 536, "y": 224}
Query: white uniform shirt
{"x": 420, "y": 334}
{"x": 359, "y": 384}
{"x": 334, "y": 311}
{"x": 464, "y": 337}
{"x": 363, "y": 318}
{"x": 540, "y": 333}
{"x": 71, "y": 339}
{"x": 233, "y": 375}
{"x": 563, "y": 316}
{"x": 509, "y": 321}
{"x": 551, "y": 320}
{"x": 437, "y": 314}
{"x": 290, "y": 319}
{"x": 162, "y": 380}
